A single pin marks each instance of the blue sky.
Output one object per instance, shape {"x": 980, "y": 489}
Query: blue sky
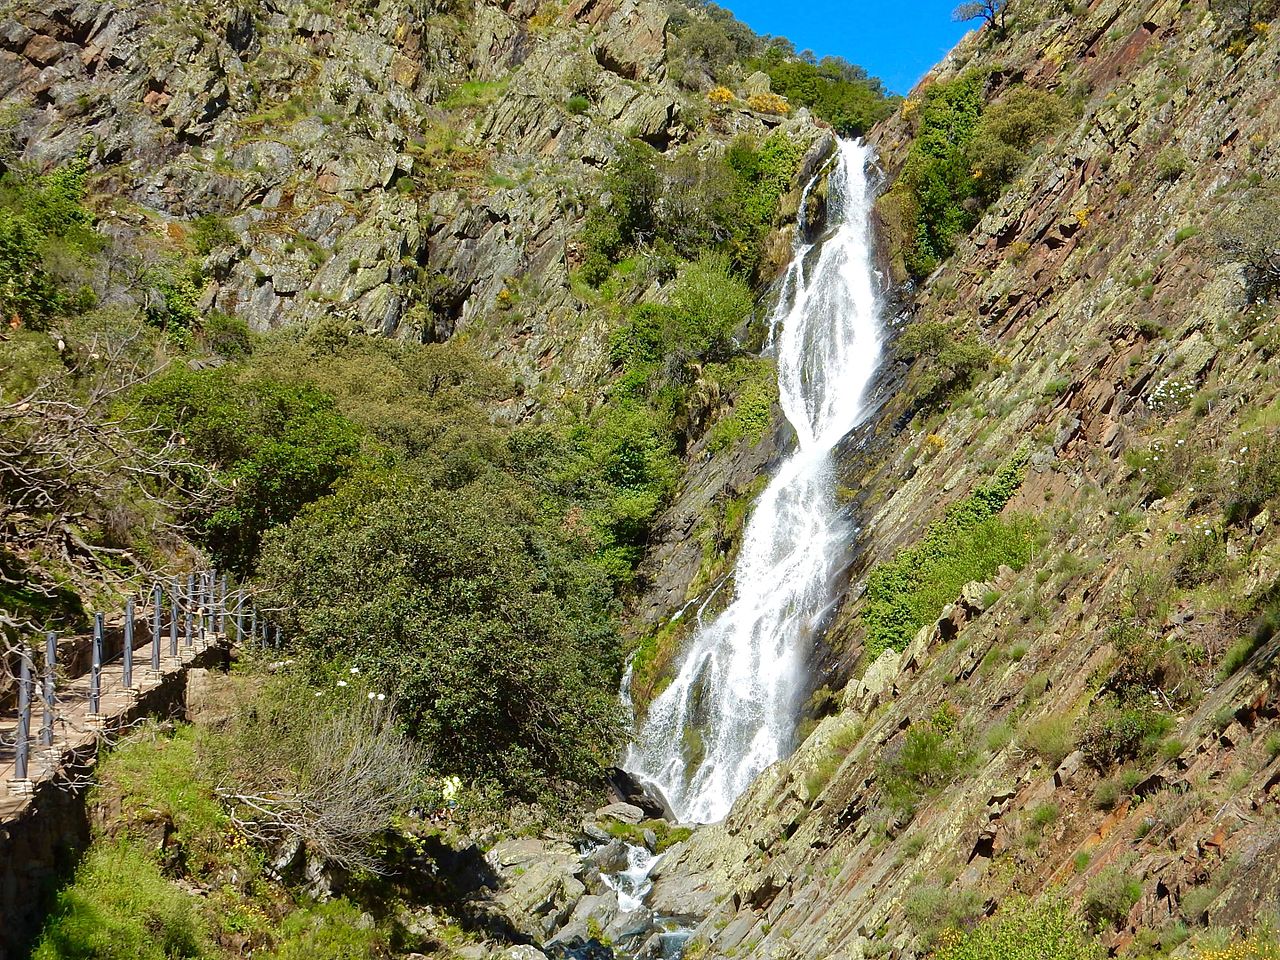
{"x": 896, "y": 40}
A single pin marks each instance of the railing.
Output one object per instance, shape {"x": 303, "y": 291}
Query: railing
{"x": 178, "y": 616}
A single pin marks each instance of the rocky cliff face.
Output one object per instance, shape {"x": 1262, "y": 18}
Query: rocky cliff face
{"x": 407, "y": 168}
{"x": 1132, "y": 371}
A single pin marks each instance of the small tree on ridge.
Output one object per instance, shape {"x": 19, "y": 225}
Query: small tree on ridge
{"x": 991, "y": 11}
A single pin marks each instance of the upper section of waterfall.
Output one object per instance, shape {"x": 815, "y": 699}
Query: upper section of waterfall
{"x": 730, "y": 711}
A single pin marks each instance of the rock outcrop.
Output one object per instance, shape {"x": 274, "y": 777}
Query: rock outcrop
{"x": 1098, "y": 280}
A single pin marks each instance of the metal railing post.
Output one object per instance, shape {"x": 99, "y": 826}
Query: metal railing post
{"x": 95, "y": 669}
{"x": 157, "y": 601}
{"x": 128, "y": 644}
{"x": 22, "y": 751}
{"x": 173, "y": 620}
{"x": 50, "y": 664}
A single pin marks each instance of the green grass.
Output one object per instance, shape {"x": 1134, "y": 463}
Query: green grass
{"x": 476, "y": 93}
{"x": 330, "y": 931}
{"x": 120, "y": 907}
{"x": 969, "y": 543}
{"x": 163, "y": 779}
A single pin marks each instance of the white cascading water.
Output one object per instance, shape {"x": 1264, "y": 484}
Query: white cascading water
{"x": 740, "y": 680}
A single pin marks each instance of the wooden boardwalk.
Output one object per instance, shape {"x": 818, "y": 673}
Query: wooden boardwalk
{"x": 76, "y": 734}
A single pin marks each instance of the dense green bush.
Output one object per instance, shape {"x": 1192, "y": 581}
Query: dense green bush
{"x": 689, "y": 204}
{"x": 1109, "y": 898}
{"x": 936, "y": 179}
{"x": 935, "y": 910}
{"x": 488, "y": 622}
{"x": 945, "y": 357}
{"x": 46, "y": 234}
{"x": 1257, "y": 478}
{"x": 932, "y": 755}
{"x": 970, "y": 542}
{"x": 836, "y": 91}
{"x": 1250, "y": 236}
{"x": 1006, "y": 134}
{"x": 671, "y": 358}
{"x": 1024, "y": 929}
{"x": 274, "y": 448}
{"x": 964, "y": 154}
{"x": 335, "y": 930}
{"x": 1117, "y": 730}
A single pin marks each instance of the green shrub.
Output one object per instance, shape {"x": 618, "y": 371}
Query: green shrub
{"x": 209, "y": 232}
{"x": 836, "y": 92}
{"x": 690, "y": 205}
{"x": 928, "y": 760}
{"x": 933, "y": 910}
{"x": 1171, "y": 163}
{"x": 1257, "y": 478}
{"x": 1024, "y": 929}
{"x": 1045, "y": 815}
{"x": 226, "y": 336}
{"x": 754, "y": 386}
{"x": 1109, "y": 898}
{"x": 336, "y": 930}
{"x": 577, "y": 105}
{"x": 120, "y": 907}
{"x": 970, "y": 542}
{"x": 1117, "y": 731}
{"x": 1201, "y": 557}
{"x": 276, "y": 447}
{"x": 1051, "y": 737}
{"x": 488, "y": 622}
{"x": 945, "y": 357}
{"x": 1005, "y": 135}
{"x": 177, "y": 282}
{"x": 964, "y": 154}
{"x": 46, "y": 239}
{"x": 1250, "y": 236}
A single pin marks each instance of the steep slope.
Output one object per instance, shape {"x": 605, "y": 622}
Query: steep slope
{"x": 413, "y": 169}
{"x": 1101, "y": 721}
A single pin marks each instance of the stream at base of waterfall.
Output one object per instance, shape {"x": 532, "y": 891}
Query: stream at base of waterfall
{"x": 738, "y": 686}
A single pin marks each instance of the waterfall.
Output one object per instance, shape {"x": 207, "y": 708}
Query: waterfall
{"x": 730, "y": 711}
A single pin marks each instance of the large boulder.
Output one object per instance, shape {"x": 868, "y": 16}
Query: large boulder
{"x": 537, "y": 884}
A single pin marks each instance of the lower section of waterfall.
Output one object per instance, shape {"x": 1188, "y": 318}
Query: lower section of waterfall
{"x": 730, "y": 710}
{"x": 631, "y": 931}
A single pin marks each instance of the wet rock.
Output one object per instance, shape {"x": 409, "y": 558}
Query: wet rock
{"x": 624, "y": 788}
{"x": 622, "y": 812}
{"x": 610, "y": 858}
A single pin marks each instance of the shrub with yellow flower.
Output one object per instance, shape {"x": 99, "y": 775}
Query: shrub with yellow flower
{"x": 769, "y": 103}
{"x": 720, "y": 97}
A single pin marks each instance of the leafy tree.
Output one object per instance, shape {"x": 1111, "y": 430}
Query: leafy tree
{"x": 834, "y": 89}
{"x": 964, "y": 154}
{"x": 485, "y": 621}
{"x": 273, "y": 446}
{"x": 1240, "y": 16}
{"x": 945, "y": 357}
{"x": 1251, "y": 237}
{"x": 1006, "y": 134}
{"x": 991, "y": 12}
